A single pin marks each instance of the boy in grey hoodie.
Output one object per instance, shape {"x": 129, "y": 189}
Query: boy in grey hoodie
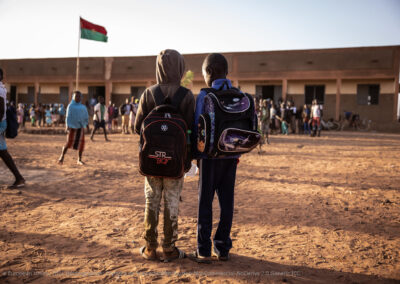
{"x": 170, "y": 68}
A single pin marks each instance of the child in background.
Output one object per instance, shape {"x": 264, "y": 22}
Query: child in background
{"x": 316, "y": 114}
{"x": 53, "y": 111}
{"x": 306, "y": 119}
{"x": 283, "y": 117}
{"x": 32, "y": 114}
{"x": 48, "y": 116}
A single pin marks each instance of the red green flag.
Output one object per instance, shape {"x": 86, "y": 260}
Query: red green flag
{"x": 92, "y": 31}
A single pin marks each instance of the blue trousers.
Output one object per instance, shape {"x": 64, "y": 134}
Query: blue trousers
{"x": 306, "y": 128}
{"x": 216, "y": 175}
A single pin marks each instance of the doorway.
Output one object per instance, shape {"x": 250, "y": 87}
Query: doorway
{"x": 94, "y": 92}
{"x": 13, "y": 94}
{"x": 31, "y": 95}
{"x": 312, "y": 92}
{"x": 272, "y": 92}
{"x": 64, "y": 97}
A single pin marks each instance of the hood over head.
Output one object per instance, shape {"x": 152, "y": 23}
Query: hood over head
{"x": 170, "y": 67}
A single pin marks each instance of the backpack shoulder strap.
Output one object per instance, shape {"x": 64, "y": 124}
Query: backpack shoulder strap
{"x": 209, "y": 90}
{"x": 179, "y": 96}
{"x": 158, "y": 95}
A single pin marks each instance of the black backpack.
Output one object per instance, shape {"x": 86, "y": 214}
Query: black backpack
{"x": 163, "y": 140}
{"x": 12, "y": 123}
{"x": 228, "y": 125}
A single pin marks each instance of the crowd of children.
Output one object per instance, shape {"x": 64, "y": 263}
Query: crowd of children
{"x": 41, "y": 115}
{"x": 48, "y": 115}
{"x": 285, "y": 118}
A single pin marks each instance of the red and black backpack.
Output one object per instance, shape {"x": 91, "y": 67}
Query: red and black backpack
{"x": 163, "y": 140}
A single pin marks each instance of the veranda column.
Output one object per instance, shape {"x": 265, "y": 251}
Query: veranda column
{"x": 108, "y": 92}
{"x": 284, "y": 89}
{"x": 37, "y": 90}
{"x": 396, "y": 83}
{"x": 108, "y": 62}
{"x": 338, "y": 94}
{"x": 70, "y": 90}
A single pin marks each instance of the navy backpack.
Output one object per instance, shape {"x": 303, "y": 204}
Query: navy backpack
{"x": 229, "y": 125}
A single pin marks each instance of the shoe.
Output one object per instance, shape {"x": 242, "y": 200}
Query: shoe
{"x": 17, "y": 184}
{"x": 220, "y": 256}
{"x": 149, "y": 254}
{"x": 199, "y": 258}
{"x": 168, "y": 256}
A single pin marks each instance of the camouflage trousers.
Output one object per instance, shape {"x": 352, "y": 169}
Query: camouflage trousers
{"x": 154, "y": 189}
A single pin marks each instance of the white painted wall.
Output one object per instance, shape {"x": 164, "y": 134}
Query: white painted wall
{"x": 84, "y": 88}
{"x": 398, "y": 106}
{"x": 298, "y": 87}
{"x": 121, "y": 88}
{"x": 22, "y": 89}
{"x": 50, "y": 89}
{"x": 248, "y": 87}
{"x": 197, "y": 86}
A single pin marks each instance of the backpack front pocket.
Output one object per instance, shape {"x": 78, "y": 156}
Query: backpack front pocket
{"x": 234, "y": 140}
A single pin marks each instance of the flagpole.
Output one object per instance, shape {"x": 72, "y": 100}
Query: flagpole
{"x": 77, "y": 58}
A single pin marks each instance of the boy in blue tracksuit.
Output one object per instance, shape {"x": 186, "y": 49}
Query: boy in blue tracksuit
{"x": 216, "y": 175}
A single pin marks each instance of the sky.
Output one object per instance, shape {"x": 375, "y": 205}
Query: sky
{"x": 50, "y": 28}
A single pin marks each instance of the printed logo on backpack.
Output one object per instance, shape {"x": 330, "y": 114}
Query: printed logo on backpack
{"x": 161, "y": 157}
{"x": 229, "y": 124}
{"x": 164, "y": 127}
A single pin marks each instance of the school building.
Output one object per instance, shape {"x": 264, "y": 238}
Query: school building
{"x": 362, "y": 80}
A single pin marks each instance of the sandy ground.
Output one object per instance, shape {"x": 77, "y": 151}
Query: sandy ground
{"x": 306, "y": 210}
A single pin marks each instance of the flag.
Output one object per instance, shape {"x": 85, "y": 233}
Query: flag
{"x": 92, "y": 31}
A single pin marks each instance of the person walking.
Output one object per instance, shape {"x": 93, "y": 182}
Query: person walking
{"x": 132, "y": 115}
{"x": 4, "y": 154}
{"x": 99, "y": 118}
{"x": 76, "y": 121}
{"x": 125, "y": 110}
{"x": 110, "y": 112}
{"x": 264, "y": 125}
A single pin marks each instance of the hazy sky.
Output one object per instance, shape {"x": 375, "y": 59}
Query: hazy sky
{"x": 49, "y": 28}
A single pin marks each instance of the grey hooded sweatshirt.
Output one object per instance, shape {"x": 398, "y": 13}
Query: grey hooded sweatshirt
{"x": 170, "y": 67}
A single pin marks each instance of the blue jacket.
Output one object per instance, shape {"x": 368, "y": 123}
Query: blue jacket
{"x": 77, "y": 115}
{"x": 216, "y": 84}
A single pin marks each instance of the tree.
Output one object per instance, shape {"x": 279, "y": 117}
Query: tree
{"x": 187, "y": 79}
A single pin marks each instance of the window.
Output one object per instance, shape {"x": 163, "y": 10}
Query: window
{"x": 367, "y": 94}
{"x": 314, "y": 92}
{"x": 273, "y": 92}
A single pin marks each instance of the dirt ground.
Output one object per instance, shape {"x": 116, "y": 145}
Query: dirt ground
{"x": 306, "y": 210}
